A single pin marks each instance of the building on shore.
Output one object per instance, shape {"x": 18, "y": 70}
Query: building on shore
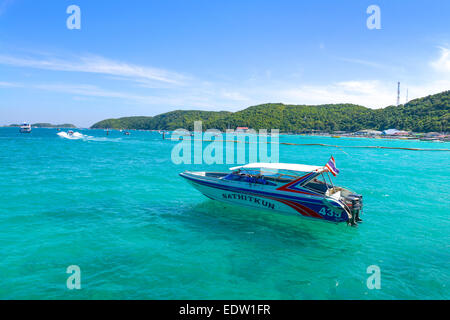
{"x": 432, "y": 134}
{"x": 395, "y": 132}
{"x": 242, "y": 130}
{"x": 402, "y": 133}
{"x": 390, "y": 132}
{"x": 368, "y": 133}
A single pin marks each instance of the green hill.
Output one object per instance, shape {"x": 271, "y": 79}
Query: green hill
{"x": 166, "y": 121}
{"x": 46, "y": 125}
{"x": 426, "y": 114}
{"x": 49, "y": 125}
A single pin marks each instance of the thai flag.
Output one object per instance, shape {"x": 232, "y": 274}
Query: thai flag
{"x": 331, "y": 166}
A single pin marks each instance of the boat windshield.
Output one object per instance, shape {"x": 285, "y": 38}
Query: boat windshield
{"x": 319, "y": 184}
{"x": 249, "y": 176}
{"x": 274, "y": 174}
{"x": 264, "y": 175}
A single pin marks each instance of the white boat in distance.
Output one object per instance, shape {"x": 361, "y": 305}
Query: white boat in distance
{"x": 302, "y": 190}
{"x": 25, "y": 128}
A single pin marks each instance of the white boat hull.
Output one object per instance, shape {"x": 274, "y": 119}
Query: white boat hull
{"x": 242, "y": 199}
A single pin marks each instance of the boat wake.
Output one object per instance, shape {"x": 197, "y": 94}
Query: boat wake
{"x": 72, "y": 136}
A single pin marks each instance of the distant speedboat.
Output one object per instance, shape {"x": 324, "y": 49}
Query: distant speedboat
{"x": 302, "y": 190}
{"x": 25, "y": 128}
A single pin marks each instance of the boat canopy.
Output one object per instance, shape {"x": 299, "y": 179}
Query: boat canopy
{"x": 281, "y": 166}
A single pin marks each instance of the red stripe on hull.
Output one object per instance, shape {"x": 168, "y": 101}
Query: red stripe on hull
{"x": 310, "y": 211}
{"x": 286, "y": 186}
{"x": 303, "y": 213}
{"x": 303, "y": 210}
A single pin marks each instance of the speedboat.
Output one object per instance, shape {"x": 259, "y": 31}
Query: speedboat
{"x": 297, "y": 189}
{"x": 71, "y": 135}
{"x": 25, "y": 128}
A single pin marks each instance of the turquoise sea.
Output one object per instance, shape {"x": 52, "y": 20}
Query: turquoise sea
{"x": 116, "y": 207}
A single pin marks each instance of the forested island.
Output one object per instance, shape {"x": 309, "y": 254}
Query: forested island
{"x": 47, "y": 125}
{"x": 431, "y": 113}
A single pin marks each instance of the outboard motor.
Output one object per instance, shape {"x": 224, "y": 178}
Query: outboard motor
{"x": 355, "y": 204}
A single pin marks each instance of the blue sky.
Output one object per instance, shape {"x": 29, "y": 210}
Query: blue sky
{"x": 148, "y": 57}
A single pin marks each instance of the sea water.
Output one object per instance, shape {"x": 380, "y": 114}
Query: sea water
{"x": 114, "y": 206}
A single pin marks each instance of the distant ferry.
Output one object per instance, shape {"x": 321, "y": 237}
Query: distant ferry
{"x": 25, "y": 128}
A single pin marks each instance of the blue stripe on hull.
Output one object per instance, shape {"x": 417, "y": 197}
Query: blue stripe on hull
{"x": 256, "y": 192}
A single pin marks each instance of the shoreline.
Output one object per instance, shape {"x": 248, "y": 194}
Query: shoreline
{"x": 417, "y": 136}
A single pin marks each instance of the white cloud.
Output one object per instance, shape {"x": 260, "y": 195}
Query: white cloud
{"x": 233, "y": 95}
{"x": 363, "y": 62}
{"x": 369, "y": 93}
{"x": 183, "y": 92}
{"x": 98, "y": 92}
{"x": 83, "y": 90}
{"x": 426, "y": 89}
{"x": 372, "y": 93}
{"x": 4, "y": 84}
{"x": 443, "y": 63}
{"x": 186, "y": 98}
{"x": 99, "y": 65}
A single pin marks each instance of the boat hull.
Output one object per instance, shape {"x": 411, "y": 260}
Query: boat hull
{"x": 318, "y": 209}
